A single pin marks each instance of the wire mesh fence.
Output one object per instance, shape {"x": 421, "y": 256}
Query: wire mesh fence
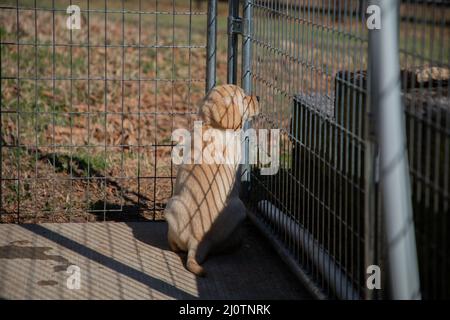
{"x": 309, "y": 65}
{"x": 425, "y": 61}
{"x": 87, "y": 114}
{"x": 305, "y": 67}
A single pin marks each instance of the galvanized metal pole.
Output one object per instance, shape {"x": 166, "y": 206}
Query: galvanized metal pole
{"x": 246, "y": 46}
{"x": 1, "y": 124}
{"x": 211, "y": 45}
{"x": 386, "y": 102}
{"x": 233, "y": 13}
{"x": 246, "y": 79}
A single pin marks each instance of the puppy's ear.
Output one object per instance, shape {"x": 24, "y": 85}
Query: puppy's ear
{"x": 209, "y": 109}
{"x": 251, "y": 107}
{"x": 222, "y": 108}
{"x": 236, "y": 115}
{"x": 229, "y": 114}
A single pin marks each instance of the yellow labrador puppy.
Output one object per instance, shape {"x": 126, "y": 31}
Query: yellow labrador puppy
{"x": 205, "y": 210}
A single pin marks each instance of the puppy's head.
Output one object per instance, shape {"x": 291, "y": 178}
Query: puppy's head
{"x": 228, "y": 107}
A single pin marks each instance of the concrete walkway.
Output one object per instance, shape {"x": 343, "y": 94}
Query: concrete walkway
{"x": 132, "y": 261}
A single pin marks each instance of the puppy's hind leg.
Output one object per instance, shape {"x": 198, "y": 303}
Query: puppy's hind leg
{"x": 225, "y": 233}
{"x": 196, "y": 255}
{"x": 172, "y": 236}
{"x": 173, "y": 244}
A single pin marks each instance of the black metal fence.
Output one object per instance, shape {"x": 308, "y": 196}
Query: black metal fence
{"x": 304, "y": 59}
{"x": 309, "y": 65}
{"x": 425, "y": 61}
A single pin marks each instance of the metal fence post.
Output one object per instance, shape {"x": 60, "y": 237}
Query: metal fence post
{"x": 1, "y": 125}
{"x": 232, "y": 55}
{"x": 246, "y": 46}
{"x": 246, "y": 77}
{"x": 211, "y": 45}
{"x": 386, "y": 103}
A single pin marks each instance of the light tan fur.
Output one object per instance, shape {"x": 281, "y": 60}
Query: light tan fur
{"x": 205, "y": 211}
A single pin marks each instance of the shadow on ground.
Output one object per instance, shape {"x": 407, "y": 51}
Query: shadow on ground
{"x": 132, "y": 261}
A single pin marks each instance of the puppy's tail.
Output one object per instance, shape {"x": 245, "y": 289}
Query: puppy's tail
{"x": 192, "y": 264}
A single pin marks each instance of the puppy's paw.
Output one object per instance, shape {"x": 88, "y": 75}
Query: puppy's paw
{"x": 195, "y": 268}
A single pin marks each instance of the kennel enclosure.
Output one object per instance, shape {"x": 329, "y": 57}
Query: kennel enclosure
{"x": 87, "y": 115}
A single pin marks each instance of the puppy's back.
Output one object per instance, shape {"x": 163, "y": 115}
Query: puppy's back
{"x": 202, "y": 192}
